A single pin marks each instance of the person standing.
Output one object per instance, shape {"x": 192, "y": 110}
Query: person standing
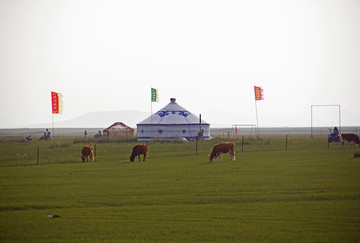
{"x": 48, "y": 134}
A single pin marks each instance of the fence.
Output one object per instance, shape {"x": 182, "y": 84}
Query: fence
{"x": 18, "y": 152}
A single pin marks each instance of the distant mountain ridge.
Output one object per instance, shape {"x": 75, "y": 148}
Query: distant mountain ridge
{"x": 100, "y": 119}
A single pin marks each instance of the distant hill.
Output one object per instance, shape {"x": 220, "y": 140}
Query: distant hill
{"x": 100, "y": 119}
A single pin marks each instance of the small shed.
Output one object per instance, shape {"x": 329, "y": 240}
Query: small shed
{"x": 119, "y": 129}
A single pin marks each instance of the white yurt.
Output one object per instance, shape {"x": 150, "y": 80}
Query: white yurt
{"x": 172, "y": 122}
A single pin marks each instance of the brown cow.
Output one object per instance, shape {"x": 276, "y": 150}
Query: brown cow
{"x": 139, "y": 150}
{"x": 224, "y": 148}
{"x": 349, "y": 137}
{"x": 87, "y": 151}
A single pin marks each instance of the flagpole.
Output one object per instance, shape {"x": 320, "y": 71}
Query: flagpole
{"x": 151, "y": 101}
{"x": 154, "y": 98}
{"x": 257, "y": 120}
{"x": 56, "y": 106}
{"x": 258, "y": 96}
{"x": 53, "y": 124}
{"x": 52, "y": 115}
{"x": 151, "y": 111}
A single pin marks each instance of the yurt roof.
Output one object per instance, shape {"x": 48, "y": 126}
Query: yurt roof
{"x": 172, "y": 113}
{"x": 119, "y": 126}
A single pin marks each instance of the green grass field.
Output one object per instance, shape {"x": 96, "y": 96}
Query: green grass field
{"x": 308, "y": 193}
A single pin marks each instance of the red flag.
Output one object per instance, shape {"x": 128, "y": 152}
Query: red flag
{"x": 259, "y": 93}
{"x": 56, "y": 102}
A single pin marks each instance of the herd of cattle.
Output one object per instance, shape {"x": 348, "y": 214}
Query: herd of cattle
{"x": 218, "y": 149}
{"x": 142, "y": 149}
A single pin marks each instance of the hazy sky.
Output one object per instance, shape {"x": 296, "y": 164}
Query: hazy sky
{"x": 106, "y": 55}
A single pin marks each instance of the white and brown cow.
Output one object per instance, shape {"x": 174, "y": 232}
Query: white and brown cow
{"x": 140, "y": 149}
{"x": 87, "y": 151}
{"x": 351, "y": 138}
{"x": 222, "y": 148}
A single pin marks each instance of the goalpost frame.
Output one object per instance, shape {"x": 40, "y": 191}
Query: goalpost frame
{"x": 339, "y": 106}
{"x": 235, "y": 126}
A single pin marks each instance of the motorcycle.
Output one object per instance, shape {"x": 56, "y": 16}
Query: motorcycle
{"x": 334, "y": 138}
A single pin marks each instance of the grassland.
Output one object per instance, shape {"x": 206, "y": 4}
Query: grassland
{"x": 307, "y": 193}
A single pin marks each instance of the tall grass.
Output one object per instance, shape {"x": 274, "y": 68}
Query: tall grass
{"x": 308, "y": 193}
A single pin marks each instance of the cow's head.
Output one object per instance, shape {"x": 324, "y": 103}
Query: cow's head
{"x": 211, "y": 158}
{"x": 83, "y": 158}
{"x": 132, "y": 158}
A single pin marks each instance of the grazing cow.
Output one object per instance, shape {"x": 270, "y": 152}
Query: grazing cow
{"x": 349, "y": 137}
{"x": 140, "y": 149}
{"x": 87, "y": 151}
{"x": 224, "y": 148}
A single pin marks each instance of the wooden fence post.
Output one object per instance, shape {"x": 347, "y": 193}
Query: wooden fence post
{"x": 196, "y": 146}
{"x": 37, "y": 157}
{"x": 242, "y": 143}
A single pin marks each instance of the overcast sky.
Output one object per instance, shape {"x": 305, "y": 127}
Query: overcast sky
{"x": 106, "y": 55}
